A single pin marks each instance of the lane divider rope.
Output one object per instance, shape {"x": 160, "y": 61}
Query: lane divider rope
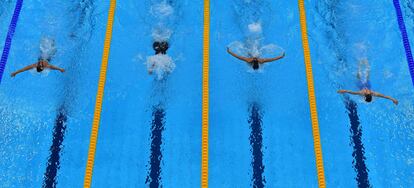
{"x": 99, "y": 96}
{"x": 312, "y": 99}
{"x": 404, "y": 35}
{"x": 9, "y": 37}
{"x": 205, "y": 97}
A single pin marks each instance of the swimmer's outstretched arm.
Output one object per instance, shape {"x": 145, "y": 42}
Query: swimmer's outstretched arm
{"x": 55, "y": 68}
{"x": 272, "y": 59}
{"x": 23, "y": 69}
{"x": 239, "y": 57}
{"x": 395, "y": 101}
{"x": 350, "y": 92}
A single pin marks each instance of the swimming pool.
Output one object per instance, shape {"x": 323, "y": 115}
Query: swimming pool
{"x": 260, "y": 130}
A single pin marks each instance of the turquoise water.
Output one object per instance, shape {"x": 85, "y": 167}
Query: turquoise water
{"x": 353, "y": 30}
{"x": 260, "y": 129}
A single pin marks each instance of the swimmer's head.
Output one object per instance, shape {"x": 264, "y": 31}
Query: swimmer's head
{"x": 368, "y": 98}
{"x": 40, "y": 67}
{"x": 160, "y": 47}
{"x": 255, "y": 63}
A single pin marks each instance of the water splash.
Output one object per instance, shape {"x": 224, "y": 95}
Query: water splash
{"x": 363, "y": 70}
{"x": 162, "y": 10}
{"x": 255, "y": 27}
{"x": 47, "y": 48}
{"x": 161, "y": 33}
{"x": 252, "y": 15}
{"x": 160, "y": 64}
{"x": 164, "y": 16}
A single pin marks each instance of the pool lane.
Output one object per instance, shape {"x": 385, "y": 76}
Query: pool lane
{"x": 83, "y": 53}
{"x": 379, "y": 139}
{"x": 29, "y": 121}
{"x": 126, "y": 153}
{"x": 281, "y": 91}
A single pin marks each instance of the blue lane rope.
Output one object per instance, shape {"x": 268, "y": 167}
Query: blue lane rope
{"x": 10, "y": 33}
{"x": 405, "y": 38}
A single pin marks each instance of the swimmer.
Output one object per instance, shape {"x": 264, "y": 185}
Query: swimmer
{"x": 160, "y": 47}
{"x": 255, "y": 61}
{"x": 41, "y": 65}
{"x": 365, "y": 86}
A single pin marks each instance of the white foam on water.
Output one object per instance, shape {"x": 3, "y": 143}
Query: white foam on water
{"x": 162, "y": 10}
{"x": 161, "y": 33}
{"x": 160, "y": 64}
{"x": 47, "y": 48}
{"x": 255, "y": 27}
{"x": 364, "y": 69}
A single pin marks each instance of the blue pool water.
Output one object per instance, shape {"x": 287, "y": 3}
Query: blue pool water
{"x": 376, "y": 149}
{"x": 260, "y": 128}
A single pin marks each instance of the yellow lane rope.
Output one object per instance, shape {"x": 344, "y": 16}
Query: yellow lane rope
{"x": 99, "y": 96}
{"x": 312, "y": 100}
{"x": 205, "y": 100}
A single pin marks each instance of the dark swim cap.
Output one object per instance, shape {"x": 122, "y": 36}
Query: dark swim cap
{"x": 39, "y": 68}
{"x": 368, "y": 98}
{"x": 255, "y": 64}
{"x": 160, "y": 47}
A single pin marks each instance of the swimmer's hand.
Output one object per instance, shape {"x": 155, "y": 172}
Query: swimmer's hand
{"x": 395, "y": 102}
{"x": 283, "y": 55}
{"x": 13, "y": 74}
{"x": 341, "y": 91}
{"x": 62, "y": 70}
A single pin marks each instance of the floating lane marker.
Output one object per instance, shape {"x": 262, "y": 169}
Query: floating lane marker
{"x": 312, "y": 100}
{"x": 205, "y": 95}
{"x": 404, "y": 35}
{"x": 99, "y": 96}
{"x": 9, "y": 37}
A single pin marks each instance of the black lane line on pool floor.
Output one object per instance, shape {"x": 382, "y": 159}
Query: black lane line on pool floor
{"x": 53, "y": 163}
{"x": 358, "y": 147}
{"x": 256, "y": 143}
{"x": 157, "y": 127}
